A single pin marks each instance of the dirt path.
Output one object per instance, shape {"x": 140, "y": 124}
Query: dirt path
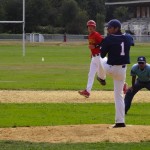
{"x": 78, "y": 133}
{"x": 64, "y": 97}
{"x": 72, "y": 134}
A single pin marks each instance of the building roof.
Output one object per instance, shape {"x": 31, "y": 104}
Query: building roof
{"x": 127, "y": 2}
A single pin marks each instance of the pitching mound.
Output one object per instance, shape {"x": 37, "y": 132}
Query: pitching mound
{"x": 77, "y": 133}
{"x": 74, "y": 133}
{"x": 64, "y": 97}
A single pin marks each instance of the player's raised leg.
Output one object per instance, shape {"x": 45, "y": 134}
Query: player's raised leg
{"x": 101, "y": 73}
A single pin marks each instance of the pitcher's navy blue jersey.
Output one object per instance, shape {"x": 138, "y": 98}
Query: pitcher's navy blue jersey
{"x": 130, "y": 38}
{"x": 118, "y": 47}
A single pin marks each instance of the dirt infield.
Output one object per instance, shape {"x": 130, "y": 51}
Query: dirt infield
{"x": 64, "y": 97}
{"x": 78, "y": 133}
{"x": 73, "y": 133}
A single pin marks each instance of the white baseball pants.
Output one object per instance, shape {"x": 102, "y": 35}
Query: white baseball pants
{"x": 94, "y": 68}
{"x": 118, "y": 73}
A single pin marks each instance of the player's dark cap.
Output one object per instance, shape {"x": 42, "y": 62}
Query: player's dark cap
{"x": 141, "y": 59}
{"x": 114, "y": 23}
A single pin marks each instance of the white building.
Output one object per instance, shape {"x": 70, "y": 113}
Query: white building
{"x": 140, "y": 24}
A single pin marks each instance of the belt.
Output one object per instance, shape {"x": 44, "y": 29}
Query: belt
{"x": 94, "y": 55}
{"x": 123, "y": 66}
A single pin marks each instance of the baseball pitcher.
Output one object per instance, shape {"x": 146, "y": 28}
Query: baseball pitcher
{"x": 116, "y": 46}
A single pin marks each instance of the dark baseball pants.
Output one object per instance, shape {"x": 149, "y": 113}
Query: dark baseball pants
{"x": 130, "y": 94}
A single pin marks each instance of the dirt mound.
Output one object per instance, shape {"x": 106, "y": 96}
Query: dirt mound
{"x": 74, "y": 133}
{"x": 77, "y": 133}
{"x": 64, "y": 97}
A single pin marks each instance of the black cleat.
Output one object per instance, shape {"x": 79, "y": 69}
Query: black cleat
{"x": 119, "y": 125}
{"x": 101, "y": 81}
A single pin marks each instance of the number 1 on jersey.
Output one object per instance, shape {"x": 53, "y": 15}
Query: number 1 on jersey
{"x": 122, "y": 49}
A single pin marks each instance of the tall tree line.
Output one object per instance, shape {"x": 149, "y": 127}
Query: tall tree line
{"x": 61, "y": 16}
{"x": 52, "y": 16}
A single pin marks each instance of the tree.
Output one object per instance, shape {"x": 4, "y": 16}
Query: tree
{"x": 100, "y": 19}
{"x": 121, "y": 13}
{"x": 2, "y": 17}
{"x": 118, "y": 0}
{"x": 94, "y": 7}
{"x": 50, "y": 16}
{"x": 81, "y": 22}
{"x": 82, "y": 4}
{"x": 2, "y": 12}
{"x": 70, "y": 11}
{"x": 78, "y": 26}
{"x": 37, "y": 12}
{"x": 13, "y": 12}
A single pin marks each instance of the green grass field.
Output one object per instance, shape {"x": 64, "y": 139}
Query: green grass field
{"x": 65, "y": 68}
{"x": 79, "y": 146}
{"x": 14, "y": 115}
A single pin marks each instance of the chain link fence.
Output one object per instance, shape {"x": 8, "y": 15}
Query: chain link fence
{"x": 59, "y": 38}
{"x": 35, "y": 37}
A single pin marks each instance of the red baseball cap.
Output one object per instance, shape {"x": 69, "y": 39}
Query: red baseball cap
{"x": 91, "y": 23}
